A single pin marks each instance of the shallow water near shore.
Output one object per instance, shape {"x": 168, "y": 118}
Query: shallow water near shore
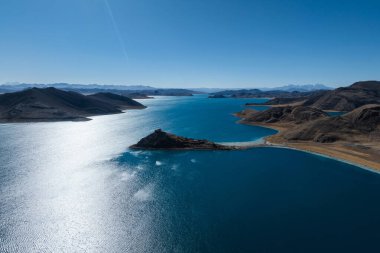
{"x": 75, "y": 187}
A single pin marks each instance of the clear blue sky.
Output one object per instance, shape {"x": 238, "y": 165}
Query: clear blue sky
{"x": 183, "y": 43}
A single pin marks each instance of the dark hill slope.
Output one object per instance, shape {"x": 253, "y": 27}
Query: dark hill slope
{"x": 50, "y": 104}
{"x": 122, "y": 102}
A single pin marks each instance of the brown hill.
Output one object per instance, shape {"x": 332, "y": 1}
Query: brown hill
{"x": 361, "y": 123}
{"x": 347, "y": 98}
{"x": 286, "y": 114}
{"x": 51, "y": 104}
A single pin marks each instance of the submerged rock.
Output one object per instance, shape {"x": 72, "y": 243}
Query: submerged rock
{"x": 163, "y": 140}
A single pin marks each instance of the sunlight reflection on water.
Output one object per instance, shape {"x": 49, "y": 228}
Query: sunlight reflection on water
{"x": 75, "y": 186}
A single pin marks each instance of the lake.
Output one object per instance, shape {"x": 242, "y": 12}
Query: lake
{"x": 76, "y": 187}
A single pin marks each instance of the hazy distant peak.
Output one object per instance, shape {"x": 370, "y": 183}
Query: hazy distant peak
{"x": 302, "y": 88}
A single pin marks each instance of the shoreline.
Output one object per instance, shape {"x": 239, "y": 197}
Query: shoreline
{"x": 362, "y": 166}
{"x": 266, "y": 144}
{"x": 327, "y": 156}
{"x": 349, "y": 153}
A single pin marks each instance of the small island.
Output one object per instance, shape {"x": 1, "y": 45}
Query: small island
{"x": 167, "y": 141}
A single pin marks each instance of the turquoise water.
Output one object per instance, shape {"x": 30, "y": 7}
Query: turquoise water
{"x": 75, "y": 187}
{"x": 258, "y": 108}
{"x": 206, "y": 118}
{"x": 335, "y": 114}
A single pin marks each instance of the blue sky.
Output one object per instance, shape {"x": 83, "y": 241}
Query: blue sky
{"x": 182, "y": 43}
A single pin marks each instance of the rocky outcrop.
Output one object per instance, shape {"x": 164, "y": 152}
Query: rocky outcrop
{"x": 163, "y": 140}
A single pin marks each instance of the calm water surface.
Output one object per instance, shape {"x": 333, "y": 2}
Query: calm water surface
{"x": 335, "y": 114}
{"x": 75, "y": 187}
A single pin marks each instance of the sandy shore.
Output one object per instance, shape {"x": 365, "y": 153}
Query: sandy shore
{"x": 363, "y": 154}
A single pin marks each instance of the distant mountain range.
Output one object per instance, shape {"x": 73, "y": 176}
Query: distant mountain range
{"x": 9, "y": 87}
{"x": 300, "y": 88}
{"x": 132, "y": 91}
{"x": 286, "y": 91}
{"x": 92, "y": 88}
{"x": 207, "y": 90}
{"x": 256, "y": 93}
{"x": 287, "y": 88}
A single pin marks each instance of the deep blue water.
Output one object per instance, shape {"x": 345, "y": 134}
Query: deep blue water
{"x": 75, "y": 187}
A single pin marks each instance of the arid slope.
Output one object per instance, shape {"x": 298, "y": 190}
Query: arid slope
{"x": 51, "y": 104}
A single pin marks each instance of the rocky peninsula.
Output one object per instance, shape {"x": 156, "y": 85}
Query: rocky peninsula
{"x": 354, "y": 136}
{"x": 166, "y": 141}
